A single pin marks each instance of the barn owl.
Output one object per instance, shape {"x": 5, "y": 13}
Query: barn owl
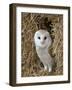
{"x": 43, "y": 41}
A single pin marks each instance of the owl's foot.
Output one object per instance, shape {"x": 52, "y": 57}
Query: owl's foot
{"x": 45, "y": 68}
{"x": 50, "y": 69}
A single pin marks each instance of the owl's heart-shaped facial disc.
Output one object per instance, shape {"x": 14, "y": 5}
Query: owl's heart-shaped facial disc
{"x": 42, "y": 38}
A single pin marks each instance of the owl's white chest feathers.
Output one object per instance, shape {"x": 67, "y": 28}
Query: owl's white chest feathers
{"x": 44, "y": 55}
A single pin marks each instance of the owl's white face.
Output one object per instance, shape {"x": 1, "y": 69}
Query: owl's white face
{"x": 42, "y": 39}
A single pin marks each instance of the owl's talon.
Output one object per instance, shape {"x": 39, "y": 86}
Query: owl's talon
{"x": 50, "y": 69}
{"x": 45, "y": 68}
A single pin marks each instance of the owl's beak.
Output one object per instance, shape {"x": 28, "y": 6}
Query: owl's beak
{"x": 42, "y": 42}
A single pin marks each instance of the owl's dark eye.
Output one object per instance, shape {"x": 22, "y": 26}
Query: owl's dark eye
{"x": 38, "y": 37}
{"x": 45, "y": 38}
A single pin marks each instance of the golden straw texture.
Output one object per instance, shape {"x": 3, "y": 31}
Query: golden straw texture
{"x": 30, "y": 63}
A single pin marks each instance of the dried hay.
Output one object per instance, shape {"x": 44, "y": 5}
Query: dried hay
{"x": 31, "y": 65}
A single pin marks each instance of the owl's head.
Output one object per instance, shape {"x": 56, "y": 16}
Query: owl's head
{"x": 42, "y": 39}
